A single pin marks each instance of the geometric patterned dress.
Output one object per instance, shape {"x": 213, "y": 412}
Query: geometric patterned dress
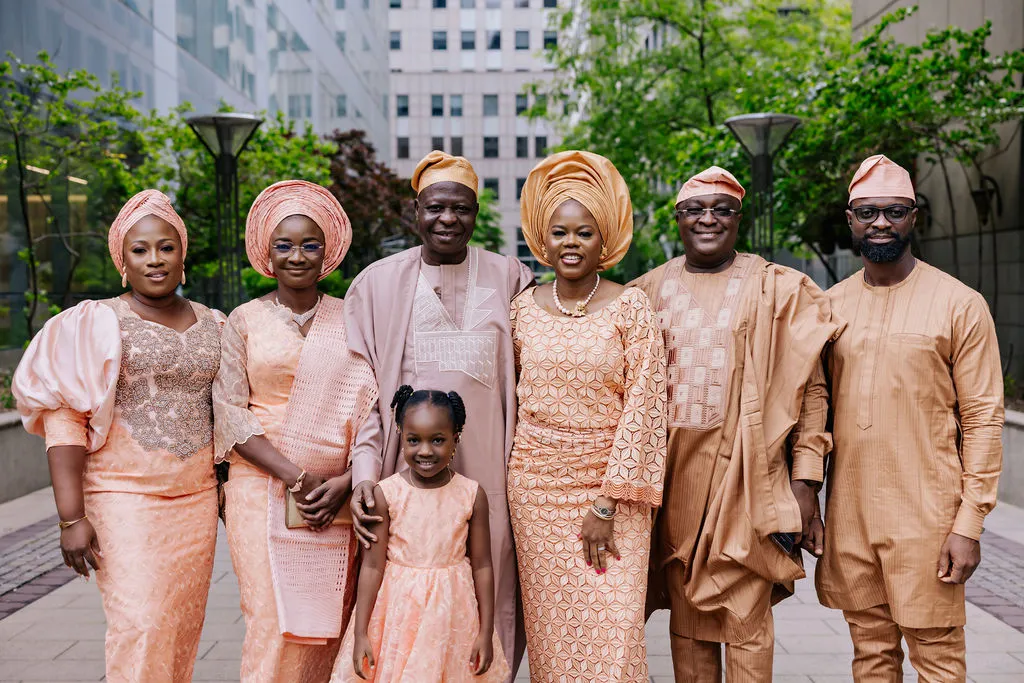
{"x": 591, "y": 422}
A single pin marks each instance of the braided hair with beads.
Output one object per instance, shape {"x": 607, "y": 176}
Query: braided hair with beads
{"x": 406, "y": 398}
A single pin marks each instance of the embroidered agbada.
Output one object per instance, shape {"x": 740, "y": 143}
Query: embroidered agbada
{"x": 445, "y": 327}
{"x": 745, "y": 393}
{"x": 426, "y": 618}
{"x": 591, "y": 422}
{"x": 591, "y": 180}
{"x": 296, "y": 198}
{"x": 136, "y": 395}
{"x": 142, "y": 204}
{"x": 918, "y": 411}
{"x": 441, "y": 167}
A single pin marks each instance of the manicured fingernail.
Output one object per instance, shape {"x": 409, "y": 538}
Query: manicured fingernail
{"x": 589, "y": 565}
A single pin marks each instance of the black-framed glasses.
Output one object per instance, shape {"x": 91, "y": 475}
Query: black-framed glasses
{"x": 894, "y": 213}
{"x": 695, "y": 212}
{"x": 307, "y": 248}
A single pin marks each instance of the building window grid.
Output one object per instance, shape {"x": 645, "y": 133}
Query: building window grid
{"x": 440, "y": 41}
{"x": 522, "y": 104}
{"x": 494, "y": 40}
{"x": 401, "y": 106}
{"x": 492, "y": 185}
{"x": 540, "y": 146}
{"x": 550, "y": 40}
{"x": 469, "y": 40}
{"x": 456, "y": 144}
{"x": 437, "y": 143}
{"x": 396, "y": 40}
{"x": 440, "y": 4}
{"x": 522, "y": 147}
{"x": 520, "y": 183}
{"x": 403, "y": 148}
{"x": 522, "y": 40}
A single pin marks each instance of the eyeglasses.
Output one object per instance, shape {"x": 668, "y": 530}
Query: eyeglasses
{"x": 695, "y": 213}
{"x": 894, "y": 213}
{"x": 308, "y": 248}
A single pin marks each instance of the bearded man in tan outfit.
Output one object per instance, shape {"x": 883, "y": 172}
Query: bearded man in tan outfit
{"x": 917, "y": 397}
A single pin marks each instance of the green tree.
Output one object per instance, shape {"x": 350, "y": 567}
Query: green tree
{"x": 59, "y": 133}
{"x": 655, "y": 79}
{"x": 488, "y": 233}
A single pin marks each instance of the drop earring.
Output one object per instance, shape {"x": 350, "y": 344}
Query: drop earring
{"x": 544, "y": 252}
{"x": 604, "y": 251}
{"x": 182, "y": 278}
{"x": 124, "y": 278}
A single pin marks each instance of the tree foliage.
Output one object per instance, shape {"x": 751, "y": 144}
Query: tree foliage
{"x": 653, "y": 81}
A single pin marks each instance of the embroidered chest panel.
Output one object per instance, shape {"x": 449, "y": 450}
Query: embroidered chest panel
{"x": 697, "y": 341}
{"x": 456, "y": 346}
{"x": 164, "y": 387}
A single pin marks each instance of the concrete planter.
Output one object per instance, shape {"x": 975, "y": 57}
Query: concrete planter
{"x": 1011, "y": 483}
{"x": 23, "y": 467}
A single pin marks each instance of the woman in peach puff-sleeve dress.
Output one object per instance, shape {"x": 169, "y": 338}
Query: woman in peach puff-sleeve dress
{"x": 288, "y": 402}
{"x": 588, "y": 459}
{"x": 121, "y": 391}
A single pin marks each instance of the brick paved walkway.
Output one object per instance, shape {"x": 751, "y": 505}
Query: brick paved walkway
{"x": 57, "y": 634}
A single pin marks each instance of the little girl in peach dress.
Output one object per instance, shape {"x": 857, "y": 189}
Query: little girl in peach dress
{"x": 425, "y": 599}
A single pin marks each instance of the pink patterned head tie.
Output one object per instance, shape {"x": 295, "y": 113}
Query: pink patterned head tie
{"x": 145, "y": 203}
{"x": 301, "y": 198}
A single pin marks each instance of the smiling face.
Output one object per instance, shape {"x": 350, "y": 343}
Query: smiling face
{"x": 153, "y": 258}
{"x": 297, "y": 252}
{"x": 708, "y": 239}
{"x": 428, "y": 439}
{"x": 445, "y": 219}
{"x": 573, "y": 241}
{"x": 880, "y": 238}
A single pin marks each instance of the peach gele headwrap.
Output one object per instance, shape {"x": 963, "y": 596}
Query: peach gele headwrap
{"x": 878, "y": 176}
{"x": 439, "y": 167}
{"x": 594, "y": 182}
{"x": 714, "y": 180}
{"x": 291, "y": 198}
{"x": 145, "y": 203}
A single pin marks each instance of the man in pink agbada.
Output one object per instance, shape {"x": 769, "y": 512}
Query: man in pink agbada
{"x": 436, "y": 316}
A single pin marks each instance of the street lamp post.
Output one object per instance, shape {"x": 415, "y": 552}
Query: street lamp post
{"x": 761, "y": 135}
{"x": 225, "y": 136}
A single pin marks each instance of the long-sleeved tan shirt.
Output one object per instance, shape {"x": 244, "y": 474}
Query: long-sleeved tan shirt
{"x": 917, "y": 396}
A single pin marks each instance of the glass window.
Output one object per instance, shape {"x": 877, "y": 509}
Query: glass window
{"x": 437, "y": 105}
{"x": 522, "y": 40}
{"x": 522, "y": 3}
{"x": 396, "y": 4}
{"x": 456, "y": 105}
{"x": 550, "y": 4}
{"x": 494, "y": 40}
{"x": 366, "y": 4}
{"x": 339, "y": 4}
{"x": 396, "y": 40}
{"x": 550, "y": 39}
{"x": 519, "y": 188}
{"x": 468, "y": 4}
{"x": 540, "y": 146}
{"x": 298, "y": 44}
{"x": 490, "y": 148}
{"x": 341, "y": 106}
{"x": 440, "y": 4}
{"x": 490, "y": 105}
{"x": 493, "y": 4}
{"x": 457, "y": 146}
{"x": 440, "y": 40}
{"x": 401, "y": 105}
{"x": 522, "y": 147}
{"x": 366, "y": 44}
{"x": 469, "y": 40}
{"x": 295, "y": 106}
{"x": 492, "y": 185}
{"x": 437, "y": 143}
{"x": 522, "y": 103}
{"x": 339, "y": 40}
{"x": 403, "y": 148}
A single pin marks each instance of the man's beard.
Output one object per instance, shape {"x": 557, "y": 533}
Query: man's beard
{"x": 886, "y": 252}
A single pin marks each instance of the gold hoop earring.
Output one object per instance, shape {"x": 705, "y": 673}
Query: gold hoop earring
{"x": 124, "y": 278}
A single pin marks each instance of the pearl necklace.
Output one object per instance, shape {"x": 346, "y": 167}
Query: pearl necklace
{"x": 580, "y": 309}
{"x": 301, "y": 318}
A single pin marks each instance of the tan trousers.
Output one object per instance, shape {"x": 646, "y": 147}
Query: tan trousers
{"x": 750, "y": 661}
{"x": 938, "y": 654}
